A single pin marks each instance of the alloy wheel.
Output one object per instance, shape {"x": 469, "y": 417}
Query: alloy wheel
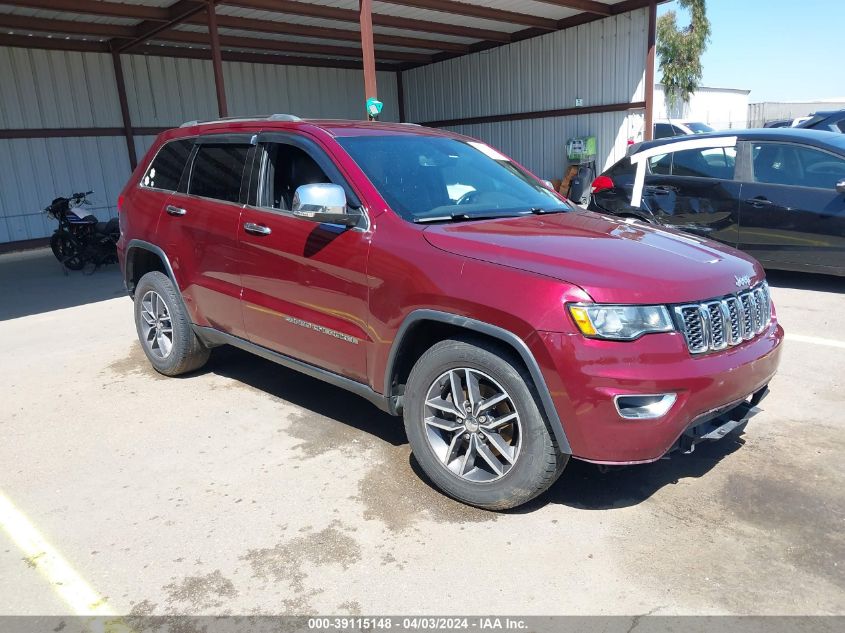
{"x": 472, "y": 425}
{"x": 156, "y": 325}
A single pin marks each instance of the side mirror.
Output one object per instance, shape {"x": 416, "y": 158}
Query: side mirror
{"x": 324, "y": 203}
{"x": 840, "y": 186}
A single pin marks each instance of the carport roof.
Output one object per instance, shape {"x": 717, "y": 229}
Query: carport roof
{"x": 407, "y": 33}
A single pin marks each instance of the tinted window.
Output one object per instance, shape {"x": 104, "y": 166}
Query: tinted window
{"x": 432, "y": 178}
{"x": 288, "y": 168}
{"x": 663, "y": 130}
{"x": 712, "y": 162}
{"x": 700, "y": 128}
{"x": 168, "y": 165}
{"x": 788, "y": 164}
{"x": 217, "y": 171}
{"x": 660, "y": 164}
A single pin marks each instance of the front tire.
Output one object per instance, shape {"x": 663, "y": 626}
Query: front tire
{"x": 65, "y": 250}
{"x": 474, "y": 425}
{"x": 164, "y": 327}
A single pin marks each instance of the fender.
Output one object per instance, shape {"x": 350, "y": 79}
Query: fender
{"x": 153, "y": 249}
{"x": 495, "y": 332}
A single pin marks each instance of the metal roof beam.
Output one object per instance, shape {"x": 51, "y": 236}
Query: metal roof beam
{"x": 234, "y": 41}
{"x": 348, "y": 15}
{"x": 256, "y": 58}
{"x": 53, "y": 43}
{"x": 94, "y": 7}
{"x": 590, "y": 6}
{"x": 471, "y": 10}
{"x": 65, "y": 27}
{"x": 176, "y": 13}
{"x": 322, "y": 32}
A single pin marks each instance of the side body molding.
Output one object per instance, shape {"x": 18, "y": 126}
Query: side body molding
{"x": 496, "y": 332}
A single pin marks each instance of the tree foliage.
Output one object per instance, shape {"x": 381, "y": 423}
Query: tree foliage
{"x": 680, "y": 50}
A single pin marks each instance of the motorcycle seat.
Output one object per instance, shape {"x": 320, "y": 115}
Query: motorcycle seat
{"x": 111, "y": 226}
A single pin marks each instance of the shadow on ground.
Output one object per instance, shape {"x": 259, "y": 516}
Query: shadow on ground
{"x": 308, "y": 393}
{"x": 582, "y": 485}
{"x": 32, "y": 282}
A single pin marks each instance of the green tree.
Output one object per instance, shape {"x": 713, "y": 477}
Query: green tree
{"x": 679, "y": 50}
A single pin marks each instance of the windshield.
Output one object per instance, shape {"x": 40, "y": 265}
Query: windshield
{"x": 425, "y": 178}
{"x": 700, "y": 128}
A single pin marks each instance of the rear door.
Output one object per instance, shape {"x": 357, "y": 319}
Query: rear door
{"x": 791, "y": 214}
{"x": 199, "y": 230}
{"x": 162, "y": 178}
{"x": 694, "y": 190}
{"x": 305, "y": 286}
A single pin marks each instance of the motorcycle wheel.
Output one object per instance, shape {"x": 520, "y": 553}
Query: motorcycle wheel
{"x": 65, "y": 250}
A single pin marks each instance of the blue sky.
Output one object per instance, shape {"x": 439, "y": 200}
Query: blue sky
{"x": 779, "y": 49}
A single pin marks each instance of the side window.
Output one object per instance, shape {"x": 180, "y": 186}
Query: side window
{"x": 676, "y": 131}
{"x": 662, "y": 130}
{"x": 711, "y": 162}
{"x": 166, "y": 169}
{"x": 660, "y": 164}
{"x": 217, "y": 171}
{"x": 287, "y": 168}
{"x": 795, "y": 165}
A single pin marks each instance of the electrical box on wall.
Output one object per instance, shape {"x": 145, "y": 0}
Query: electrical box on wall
{"x": 580, "y": 150}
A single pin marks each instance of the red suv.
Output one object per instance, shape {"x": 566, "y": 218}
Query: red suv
{"x": 440, "y": 280}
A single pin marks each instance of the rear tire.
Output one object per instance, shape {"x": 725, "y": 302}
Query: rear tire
{"x": 164, "y": 327}
{"x": 510, "y": 463}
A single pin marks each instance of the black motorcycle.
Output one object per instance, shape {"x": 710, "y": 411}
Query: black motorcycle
{"x": 81, "y": 239}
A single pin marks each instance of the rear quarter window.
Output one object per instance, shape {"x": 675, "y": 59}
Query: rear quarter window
{"x": 165, "y": 171}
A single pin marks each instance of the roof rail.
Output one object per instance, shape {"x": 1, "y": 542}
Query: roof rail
{"x": 258, "y": 117}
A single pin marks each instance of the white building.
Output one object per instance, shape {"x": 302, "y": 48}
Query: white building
{"x": 720, "y": 108}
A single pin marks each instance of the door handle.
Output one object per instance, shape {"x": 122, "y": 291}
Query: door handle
{"x": 759, "y": 202}
{"x": 172, "y": 210}
{"x": 257, "y": 229}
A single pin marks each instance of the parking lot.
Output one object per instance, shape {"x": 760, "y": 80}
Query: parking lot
{"x": 250, "y": 489}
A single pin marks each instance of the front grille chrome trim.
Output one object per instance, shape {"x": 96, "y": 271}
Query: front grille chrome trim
{"x": 717, "y": 324}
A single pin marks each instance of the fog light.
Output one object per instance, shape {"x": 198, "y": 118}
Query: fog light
{"x": 644, "y": 407}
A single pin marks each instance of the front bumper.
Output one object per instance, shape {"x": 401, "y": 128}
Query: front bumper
{"x": 584, "y": 375}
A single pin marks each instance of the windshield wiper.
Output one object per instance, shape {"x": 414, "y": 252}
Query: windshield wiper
{"x": 542, "y": 211}
{"x": 462, "y": 216}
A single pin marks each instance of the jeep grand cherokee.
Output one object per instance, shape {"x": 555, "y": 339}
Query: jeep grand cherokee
{"x": 439, "y": 279}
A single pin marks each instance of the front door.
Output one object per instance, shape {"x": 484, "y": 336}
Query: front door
{"x": 791, "y": 214}
{"x": 199, "y": 231}
{"x": 693, "y": 190}
{"x": 304, "y": 284}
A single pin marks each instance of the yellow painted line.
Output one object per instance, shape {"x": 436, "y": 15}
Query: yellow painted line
{"x": 814, "y": 340}
{"x": 64, "y": 580}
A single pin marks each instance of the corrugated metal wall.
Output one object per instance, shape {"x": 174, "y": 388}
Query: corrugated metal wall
{"x": 54, "y": 89}
{"x": 602, "y": 62}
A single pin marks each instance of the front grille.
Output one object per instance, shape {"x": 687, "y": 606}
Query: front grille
{"x": 713, "y": 325}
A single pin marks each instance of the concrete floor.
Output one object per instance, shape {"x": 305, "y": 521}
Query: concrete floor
{"x": 248, "y": 488}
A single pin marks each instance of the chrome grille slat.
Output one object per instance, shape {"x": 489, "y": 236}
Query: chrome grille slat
{"x": 721, "y": 323}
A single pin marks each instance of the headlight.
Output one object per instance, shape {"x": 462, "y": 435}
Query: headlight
{"x": 621, "y": 323}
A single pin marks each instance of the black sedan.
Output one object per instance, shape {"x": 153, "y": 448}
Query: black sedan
{"x": 778, "y": 194}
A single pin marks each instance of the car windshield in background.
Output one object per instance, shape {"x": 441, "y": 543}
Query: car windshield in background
{"x": 700, "y": 128}
{"x": 428, "y": 179}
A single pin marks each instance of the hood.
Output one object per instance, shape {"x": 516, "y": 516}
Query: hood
{"x": 613, "y": 260}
